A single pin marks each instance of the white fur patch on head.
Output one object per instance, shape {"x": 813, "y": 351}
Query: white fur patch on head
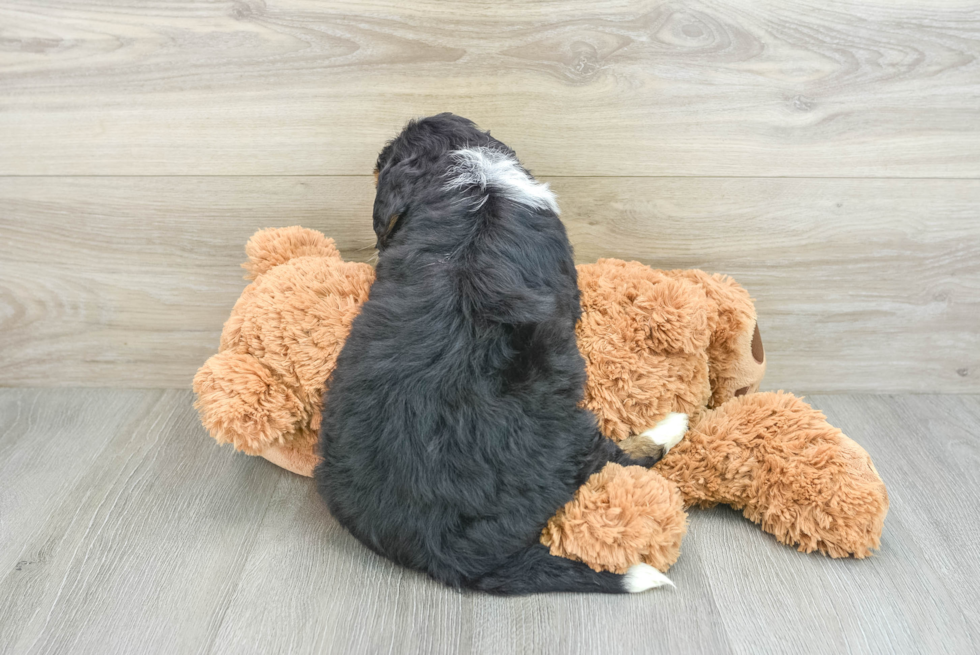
{"x": 485, "y": 167}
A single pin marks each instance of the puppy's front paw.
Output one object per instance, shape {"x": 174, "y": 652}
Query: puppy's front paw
{"x": 668, "y": 432}
{"x": 659, "y": 439}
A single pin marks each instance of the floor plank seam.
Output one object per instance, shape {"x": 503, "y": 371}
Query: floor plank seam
{"x": 253, "y": 539}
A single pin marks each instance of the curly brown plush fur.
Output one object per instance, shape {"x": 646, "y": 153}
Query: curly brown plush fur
{"x": 620, "y": 516}
{"x": 654, "y": 342}
{"x": 778, "y": 460}
{"x": 263, "y": 392}
{"x": 645, "y": 338}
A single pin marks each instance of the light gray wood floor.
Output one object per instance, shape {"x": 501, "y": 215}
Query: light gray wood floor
{"x": 124, "y": 529}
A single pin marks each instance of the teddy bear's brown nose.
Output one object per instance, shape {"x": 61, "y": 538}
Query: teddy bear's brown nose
{"x": 758, "y": 352}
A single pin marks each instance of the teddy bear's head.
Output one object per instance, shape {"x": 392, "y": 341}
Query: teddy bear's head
{"x": 656, "y": 342}
{"x": 737, "y": 357}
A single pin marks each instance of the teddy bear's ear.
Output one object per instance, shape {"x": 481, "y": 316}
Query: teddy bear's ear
{"x": 273, "y": 246}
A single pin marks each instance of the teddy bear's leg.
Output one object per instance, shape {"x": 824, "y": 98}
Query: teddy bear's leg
{"x": 621, "y": 516}
{"x": 777, "y": 459}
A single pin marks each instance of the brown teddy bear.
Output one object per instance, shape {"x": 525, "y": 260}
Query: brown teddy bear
{"x": 655, "y": 344}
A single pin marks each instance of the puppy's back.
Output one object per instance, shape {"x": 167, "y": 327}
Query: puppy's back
{"x": 451, "y": 430}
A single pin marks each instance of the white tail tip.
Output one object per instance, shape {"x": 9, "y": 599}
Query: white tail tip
{"x": 641, "y": 577}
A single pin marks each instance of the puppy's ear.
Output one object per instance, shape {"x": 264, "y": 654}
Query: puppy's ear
{"x": 393, "y": 196}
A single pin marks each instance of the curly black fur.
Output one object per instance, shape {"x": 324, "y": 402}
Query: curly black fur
{"x": 452, "y": 430}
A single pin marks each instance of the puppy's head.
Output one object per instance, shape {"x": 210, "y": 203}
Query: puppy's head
{"x": 411, "y": 169}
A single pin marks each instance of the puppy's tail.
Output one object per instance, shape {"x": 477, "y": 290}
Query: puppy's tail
{"x": 535, "y": 570}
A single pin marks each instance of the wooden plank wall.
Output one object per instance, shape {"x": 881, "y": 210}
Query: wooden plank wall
{"x": 827, "y": 154}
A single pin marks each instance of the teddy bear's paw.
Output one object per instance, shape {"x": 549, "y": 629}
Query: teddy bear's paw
{"x": 299, "y": 458}
{"x": 667, "y": 433}
{"x": 242, "y": 402}
{"x": 641, "y": 577}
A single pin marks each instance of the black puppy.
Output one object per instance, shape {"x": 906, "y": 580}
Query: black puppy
{"x": 452, "y": 430}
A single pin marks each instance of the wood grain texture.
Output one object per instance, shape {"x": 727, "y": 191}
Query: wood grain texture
{"x": 796, "y": 88}
{"x": 126, "y": 529}
{"x": 861, "y": 285}
{"x": 851, "y": 604}
{"x": 939, "y": 500}
{"x": 365, "y": 604}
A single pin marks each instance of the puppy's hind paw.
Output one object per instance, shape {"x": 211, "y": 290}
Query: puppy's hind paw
{"x": 668, "y": 432}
